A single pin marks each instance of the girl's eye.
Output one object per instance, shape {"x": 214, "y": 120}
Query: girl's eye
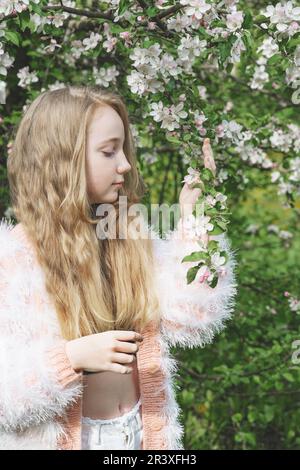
{"x": 108, "y": 154}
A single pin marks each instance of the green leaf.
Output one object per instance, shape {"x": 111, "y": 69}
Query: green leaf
{"x": 293, "y": 42}
{"x": 152, "y": 11}
{"x": 212, "y": 245}
{"x": 191, "y": 274}
{"x": 37, "y": 9}
{"x": 224, "y": 49}
{"x": 115, "y": 28}
{"x": 248, "y": 20}
{"x": 24, "y": 21}
{"x": 13, "y": 37}
{"x": 173, "y": 139}
{"x": 237, "y": 417}
{"x": 288, "y": 376}
{"x": 195, "y": 256}
{"x": 214, "y": 282}
{"x": 275, "y": 59}
{"x": 216, "y": 231}
{"x": 207, "y": 174}
{"x": 123, "y": 6}
{"x": 187, "y": 137}
{"x": 222, "y": 225}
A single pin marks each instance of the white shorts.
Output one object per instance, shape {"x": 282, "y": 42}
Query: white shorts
{"x": 123, "y": 432}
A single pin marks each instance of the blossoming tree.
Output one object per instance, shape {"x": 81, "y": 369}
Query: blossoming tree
{"x": 229, "y": 71}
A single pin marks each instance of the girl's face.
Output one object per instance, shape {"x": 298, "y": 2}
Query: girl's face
{"x": 106, "y": 163}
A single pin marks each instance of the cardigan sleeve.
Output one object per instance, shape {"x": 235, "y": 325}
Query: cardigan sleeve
{"x": 37, "y": 381}
{"x": 191, "y": 314}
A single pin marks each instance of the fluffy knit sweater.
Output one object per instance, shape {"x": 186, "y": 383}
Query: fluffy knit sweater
{"x": 41, "y": 394}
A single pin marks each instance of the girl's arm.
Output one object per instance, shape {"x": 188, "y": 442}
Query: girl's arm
{"x": 191, "y": 313}
{"x": 37, "y": 381}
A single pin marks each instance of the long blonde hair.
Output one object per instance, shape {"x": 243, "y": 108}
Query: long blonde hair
{"x": 96, "y": 285}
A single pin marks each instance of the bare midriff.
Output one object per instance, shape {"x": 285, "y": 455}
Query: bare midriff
{"x": 109, "y": 395}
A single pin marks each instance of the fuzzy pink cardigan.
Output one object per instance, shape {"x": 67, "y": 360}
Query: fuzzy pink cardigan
{"x": 41, "y": 394}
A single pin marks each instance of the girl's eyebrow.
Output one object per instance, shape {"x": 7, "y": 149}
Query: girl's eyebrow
{"x": 113, "y": 139}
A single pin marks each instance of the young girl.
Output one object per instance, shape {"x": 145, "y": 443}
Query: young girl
{"x": 86, "y": 324}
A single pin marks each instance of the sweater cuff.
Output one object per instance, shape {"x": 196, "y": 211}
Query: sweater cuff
{"x": 59, "y": 360}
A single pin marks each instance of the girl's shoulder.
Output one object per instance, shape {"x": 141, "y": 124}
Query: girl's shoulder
{"x": 15, "y": 248}
{"x": 10, "y": 238}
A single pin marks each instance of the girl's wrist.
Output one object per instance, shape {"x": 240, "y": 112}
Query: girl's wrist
{"x": 71, "y": 349}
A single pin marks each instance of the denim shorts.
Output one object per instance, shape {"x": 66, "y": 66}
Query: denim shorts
{"x": 123, "y": 432}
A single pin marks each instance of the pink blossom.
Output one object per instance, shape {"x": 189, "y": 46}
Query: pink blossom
{"x": 286, "y": 294}
{"x": 125, "y": 35}
{"x": 151, "y": 25}
{"x": 220, "y": 130}
{"x": 203, "y": 278}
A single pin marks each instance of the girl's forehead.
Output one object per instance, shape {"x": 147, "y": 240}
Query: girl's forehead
{"x": 107, "y": 122}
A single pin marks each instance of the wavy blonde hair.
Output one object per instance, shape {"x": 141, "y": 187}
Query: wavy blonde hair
{"x": 96, "y": 285}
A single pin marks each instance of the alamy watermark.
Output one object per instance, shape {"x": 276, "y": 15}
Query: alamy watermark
{"x": 107, "y": 225}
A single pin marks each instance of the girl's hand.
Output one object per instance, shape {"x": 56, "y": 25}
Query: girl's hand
{"x": 188, "y": 196}
{"x": 108, "y": 351}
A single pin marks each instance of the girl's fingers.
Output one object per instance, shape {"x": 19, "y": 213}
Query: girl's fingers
{"x": 209, "y": 161}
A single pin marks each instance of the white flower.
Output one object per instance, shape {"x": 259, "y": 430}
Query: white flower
{"x": 284, "y": 188}
{"x": 169, "y": 116}
{"x": 199, "y": 119}
{"x": 8, "y": 6}
{"x": 196, "y": 227}
{"x": 149, "y": 158}
{"x": 105, "y": 76}
{"x": 234, "y": 20}
{"x": 2, "y": 92}
{"x": 282, "y": 15}
{"x": 210, "y": 200}
{"x": 189, "y": 48}
{"x": 26, "y": 77}
{"x": 192, "y": 177}
{"x": 232, "y": 130}
{"x": 259, "y": 78}
{"x": 295, "y": 169}
{"x": 221, "y": 198}
{"x": 236, "y": 50}
{"x": 217, "y": 260}
{"x": 285, "y": 235}
{"x": 110, "y": 44}
{"x": 143, "y": 56}
{"x": 195, "y": 7}
{"x": 92, "y": 41}
{"x": 273, "y": 228}
{"x": 222, "y": 175}
{"x": 169, "y": 66}
{"x": 252, "y": 228}
{"x": 39, "y": 22}
{"x": 269, "y": 47}
{"x": 137, "y": 82}
{"x": 5, "y": 62}
{"x": 294, "y": 304}
{"x": 51, "y": 47}
{"x": 202, "y": 92}
{"x": 274, "y": 176}
{"x": 297, "y": 56}
{"x": 179, "y": 23}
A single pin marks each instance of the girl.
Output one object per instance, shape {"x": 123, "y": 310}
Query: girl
{"x": 86, "y": 323}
